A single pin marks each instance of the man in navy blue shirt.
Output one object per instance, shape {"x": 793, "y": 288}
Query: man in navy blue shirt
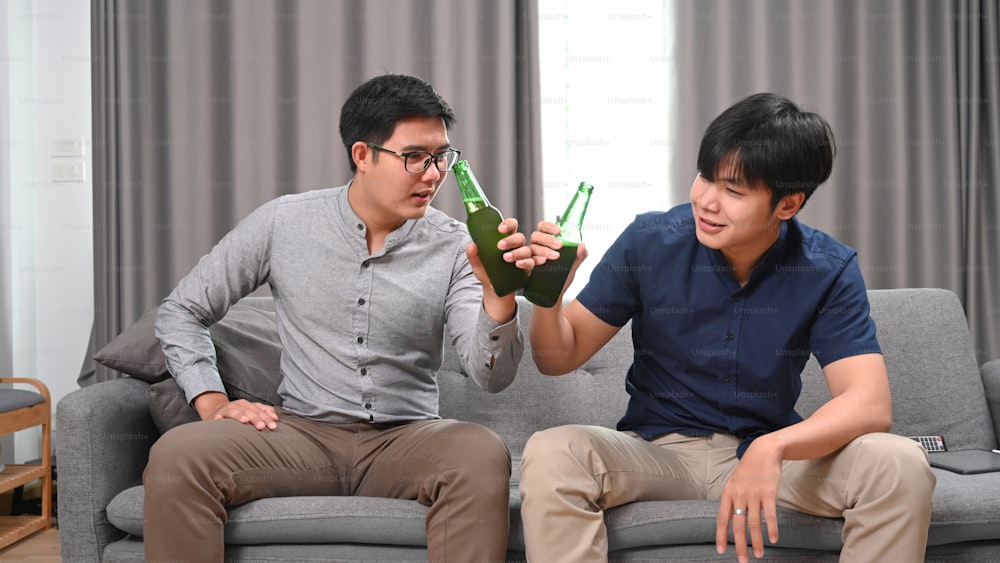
{"x": 728, "y": 297}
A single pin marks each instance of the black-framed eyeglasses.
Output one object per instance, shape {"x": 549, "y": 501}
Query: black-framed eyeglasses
{"x": 417, "y": 161}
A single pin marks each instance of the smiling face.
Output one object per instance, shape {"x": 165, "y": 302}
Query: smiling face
{"x": 736, "y": 218}
{"x": 383, "y": 193}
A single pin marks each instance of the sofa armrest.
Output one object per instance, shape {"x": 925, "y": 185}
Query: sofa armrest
{"x": 991, "y": 381}
{"x": 103, "y": 437}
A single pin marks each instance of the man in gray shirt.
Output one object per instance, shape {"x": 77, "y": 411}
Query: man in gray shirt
{"x": 367, "y": 281}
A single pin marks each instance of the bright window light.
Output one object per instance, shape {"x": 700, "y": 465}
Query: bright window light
{"x": 607, "y": 96}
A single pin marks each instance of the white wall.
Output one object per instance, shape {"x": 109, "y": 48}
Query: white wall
{"x": 49, "y": 272}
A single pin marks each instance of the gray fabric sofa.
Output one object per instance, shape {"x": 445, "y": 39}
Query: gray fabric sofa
{"x": 104, "y": 433}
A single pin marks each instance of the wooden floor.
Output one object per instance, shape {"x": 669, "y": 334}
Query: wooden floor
{"x": 42, "y": 547}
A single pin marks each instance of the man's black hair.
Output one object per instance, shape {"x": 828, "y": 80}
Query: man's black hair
{"x": 371, "y": 112}
{"x": 767, "y": 138}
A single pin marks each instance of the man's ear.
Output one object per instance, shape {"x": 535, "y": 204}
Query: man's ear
{"x": 361, "y": 155}
{"x": 790, "y": 205}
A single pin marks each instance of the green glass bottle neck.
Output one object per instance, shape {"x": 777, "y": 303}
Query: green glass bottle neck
{"x": 472, "y": 194}
{"x": 571, "y": 221}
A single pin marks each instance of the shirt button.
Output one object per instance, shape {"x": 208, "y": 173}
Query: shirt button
{"x": 364, "y": 371}
{"x": 371, "y": 418}
{"x": 361, "y": 301}
{"x": 364, "y": 264}
{"x": 361, "y": 340}
{"x": 729, "y": 337}
{"x": 726, "y": 379}
{"x": 368, "y": 406}
{"x": 361, "y": 227}
{"x": 494, "y": 338}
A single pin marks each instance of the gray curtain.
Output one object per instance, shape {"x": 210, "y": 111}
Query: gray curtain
{"x": 205, "y": 110}
{"x": 912, "y": 91}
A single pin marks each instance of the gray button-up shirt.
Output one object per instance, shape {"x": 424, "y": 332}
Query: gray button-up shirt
{"x": 362, "y": 335}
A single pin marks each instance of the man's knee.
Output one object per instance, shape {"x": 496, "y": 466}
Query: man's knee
{"x": 899, "y": 462}
{"x": 175, "y": 454}
{"x": 477, "y": 451}
{"x": 556, "y": 449}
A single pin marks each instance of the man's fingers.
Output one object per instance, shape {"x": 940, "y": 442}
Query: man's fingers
{"x": 258, "y": 415}
{"x": 740, "y": 534}
{"x": 756, "y": 534}
{"x": 722, "y": 531}
{"x": 266, "y": 410}
{"x": 771, "y": 516}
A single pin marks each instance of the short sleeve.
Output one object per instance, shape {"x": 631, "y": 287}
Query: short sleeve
{"x": 844, "y": 326}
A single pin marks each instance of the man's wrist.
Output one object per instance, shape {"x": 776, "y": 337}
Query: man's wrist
{"x": 207, "y": 403}
{"x": 500, "y": 309}
{"x": 771, "y": 444}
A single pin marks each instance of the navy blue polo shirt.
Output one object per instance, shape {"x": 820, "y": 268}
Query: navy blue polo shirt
{"x": 711, "y": 356}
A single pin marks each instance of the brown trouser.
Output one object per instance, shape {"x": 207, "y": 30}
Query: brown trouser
{"x": 459, "y": 469}
{"x": 880, "y": 484}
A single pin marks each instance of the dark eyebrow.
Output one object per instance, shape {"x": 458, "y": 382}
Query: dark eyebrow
{"x": 420, "y": 148}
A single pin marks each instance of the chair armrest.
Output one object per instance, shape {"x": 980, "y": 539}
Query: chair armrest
{"x": 103, "y": 436}
{"x": 991, "y": 381}
{"x": 40, "y": 387}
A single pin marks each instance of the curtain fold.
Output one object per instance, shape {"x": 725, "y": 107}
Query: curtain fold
{"x": 205, "y": 110}
{"x": 911, "y": 91}
{"x": 978, "y": 99}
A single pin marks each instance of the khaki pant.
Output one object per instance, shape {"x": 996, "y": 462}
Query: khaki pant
{"x": 881, "y": 484}
{"x": 460, "y": 470}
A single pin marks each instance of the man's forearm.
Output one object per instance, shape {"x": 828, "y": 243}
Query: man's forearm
{"x": 552, "y": 340}
{"x": 830, "y": 428}
{"x": 500, "y": 309}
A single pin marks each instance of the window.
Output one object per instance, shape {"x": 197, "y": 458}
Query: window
{"x": 607, "y": 104}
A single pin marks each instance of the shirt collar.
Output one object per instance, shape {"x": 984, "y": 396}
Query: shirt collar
{"x": 773, "y": 255}
{"x": 765, "y": 265}
{"x": 355, "y": 225}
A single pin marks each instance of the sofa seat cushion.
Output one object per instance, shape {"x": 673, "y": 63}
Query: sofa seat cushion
{"x": 683, "y": 522}
{"x": 964, "y": 511}
{"x": 365, "y": 520}
{"x": 300, "y": 520}
{"x": 965, "y": 508}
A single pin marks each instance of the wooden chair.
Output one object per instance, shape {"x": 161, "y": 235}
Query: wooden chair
{"x": 19, "y": 410}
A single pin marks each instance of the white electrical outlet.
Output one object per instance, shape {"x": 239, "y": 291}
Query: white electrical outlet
{"x": 70, "y": 171}
{"x": 67, "y": 146}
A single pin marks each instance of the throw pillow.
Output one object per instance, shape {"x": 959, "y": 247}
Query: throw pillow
{"x": 136, "y": 351}
{"x": 248, "y": 354}
{"x": 168, "y": 407}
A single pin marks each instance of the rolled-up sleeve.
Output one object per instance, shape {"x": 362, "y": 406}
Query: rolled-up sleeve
{"x": 490, "y": 351}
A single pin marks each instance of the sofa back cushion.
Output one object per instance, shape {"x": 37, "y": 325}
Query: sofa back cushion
{"x": 593, "y": 394}
{"x": 933, "y": 374}
{"x": 933, "y": 371}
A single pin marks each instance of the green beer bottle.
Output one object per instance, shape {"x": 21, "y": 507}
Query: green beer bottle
{"x": 483, "y": 220}
{"x": 546, "y": 282}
